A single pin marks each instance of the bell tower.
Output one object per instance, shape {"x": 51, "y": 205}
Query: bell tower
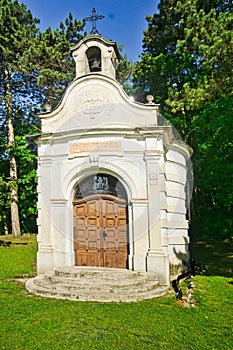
{"x": 95, "y": 54}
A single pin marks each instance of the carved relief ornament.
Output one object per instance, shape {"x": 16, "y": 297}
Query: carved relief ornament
{"x": 93, "y": 103}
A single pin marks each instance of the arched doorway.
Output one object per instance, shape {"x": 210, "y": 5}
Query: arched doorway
{"x": 100, "y": 222}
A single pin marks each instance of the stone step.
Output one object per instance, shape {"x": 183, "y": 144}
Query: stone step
{"x": 96, "y": 296}
{"x": 104, "y": 281}
{"x": 96, "y": 284}
{"x": 94, "y": 272}
{"x": 68, "y": 285}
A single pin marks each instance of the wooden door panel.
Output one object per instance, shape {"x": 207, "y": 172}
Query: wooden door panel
{"x": 110, "y": 259}
{"x": 93, "y": 239}
{"x": 109, "y": 222}
{"x": 85, "y": 259}
{"x": 92, "y": 221}
{"x": 110, "y": 242}
{"x": 121, "y": 210}
{"x": 100, "y": 232}
{"x": 115, "y": 260}
{"x": 108, "y": 207}
{"x": 121, "y": 222}
{"x": 80, "y": 210}
{"x": 92, "y": 207}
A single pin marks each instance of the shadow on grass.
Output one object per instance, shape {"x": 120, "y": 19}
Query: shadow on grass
{"x": 215, "y": 255}
{"x": 9, "y": 243}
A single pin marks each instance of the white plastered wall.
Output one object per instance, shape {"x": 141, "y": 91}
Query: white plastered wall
{"x": 177, "y": 224}
{"x": 58, "y": 184}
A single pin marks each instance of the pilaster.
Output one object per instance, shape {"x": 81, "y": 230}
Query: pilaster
{"x": 157, "y": 260}
{"x": 152, "y": 158}
{"x": 140, "y": 232}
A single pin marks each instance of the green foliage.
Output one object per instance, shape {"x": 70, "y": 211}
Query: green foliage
{"x": 187, "y": 66}
{"x": 213, "y": 167}
{"x": 187, "y": 58}
{"x": 17, "y": 28}
{"x": 50, "y": 58}
{"x": 27, "y": 183}
{"x": 17, "y": 32}
{"x": 18, "y": 97}
{"x": 124, "y": 68}
{"x": 30, "y": 322}
{"x": 208, "y": 38}
{"x": 35, "y": 67}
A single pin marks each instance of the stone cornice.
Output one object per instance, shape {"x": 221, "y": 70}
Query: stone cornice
{"x": 155, "y": 132}
{"x": 97, "y": 38}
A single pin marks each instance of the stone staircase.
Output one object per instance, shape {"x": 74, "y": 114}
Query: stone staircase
{"x": 96, "y": 284}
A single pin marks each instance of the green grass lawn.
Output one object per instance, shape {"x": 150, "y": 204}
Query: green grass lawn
{"x": 30, "y": 322}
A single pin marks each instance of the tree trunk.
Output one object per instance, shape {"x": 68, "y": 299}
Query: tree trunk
{"x": 15, "y": 225}
{"x": 5, "y": 228}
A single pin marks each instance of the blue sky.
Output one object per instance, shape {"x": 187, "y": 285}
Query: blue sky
{"x": 124, "y": 20}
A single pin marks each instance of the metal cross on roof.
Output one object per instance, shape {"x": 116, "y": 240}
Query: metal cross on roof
{"x": 93, "y": 19}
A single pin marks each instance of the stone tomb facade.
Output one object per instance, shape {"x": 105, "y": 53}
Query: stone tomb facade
{"x": 111, "y": 182}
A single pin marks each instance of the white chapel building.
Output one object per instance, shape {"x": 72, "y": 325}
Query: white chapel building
{"x": 111, "y": 181}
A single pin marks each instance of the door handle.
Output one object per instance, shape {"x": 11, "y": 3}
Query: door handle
{"x": 104, "y": 234}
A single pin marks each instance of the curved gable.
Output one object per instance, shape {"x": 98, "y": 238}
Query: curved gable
{"x": 97, "y": 101}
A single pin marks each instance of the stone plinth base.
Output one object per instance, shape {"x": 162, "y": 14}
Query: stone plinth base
{"x": 158, "y": 264}
{"x": 139, "y": 263}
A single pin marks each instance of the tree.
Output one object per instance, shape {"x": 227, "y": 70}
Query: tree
{"x": 17, "y": 29}
{"x": 50, "y": 59}
{"x": 213, "y": 168}
{"x": 187, "y": 65}
{"x": 156, "y": 70}
{"x": 35, "y": 68}
{"x": 187, "y": 59}
{"x": 208, "y": 38}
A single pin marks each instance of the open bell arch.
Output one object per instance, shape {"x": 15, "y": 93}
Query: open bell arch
{"x": 94, "y": 58}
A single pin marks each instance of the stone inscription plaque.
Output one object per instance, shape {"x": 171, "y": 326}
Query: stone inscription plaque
{"x": 97, "y": 146}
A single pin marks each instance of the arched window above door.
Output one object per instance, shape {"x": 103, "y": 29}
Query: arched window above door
{"x": 94, "y": 58}
{"x": 100, "y": 184}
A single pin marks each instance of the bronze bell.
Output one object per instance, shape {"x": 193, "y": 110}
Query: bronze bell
{"x": 95, "y": 65}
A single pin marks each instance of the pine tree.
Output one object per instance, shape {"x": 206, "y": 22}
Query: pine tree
{"x": 35, "y": 69}
{"x": 187, "y": 58}
{"x": 187, "y": 65}
{"x": 50, "y": 58}
{"x": 17, "y": 29}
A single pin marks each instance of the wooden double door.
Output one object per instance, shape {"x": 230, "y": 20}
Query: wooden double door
{"x": 100, "y": 231}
